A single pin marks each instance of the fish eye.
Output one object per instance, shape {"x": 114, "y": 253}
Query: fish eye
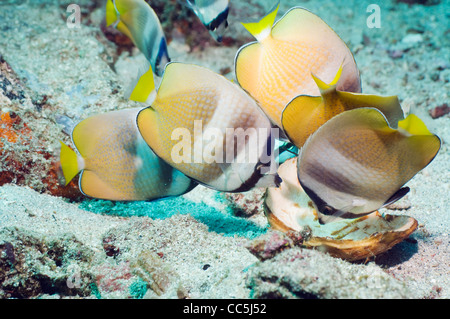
{"x": 213, "y": 25}
{"x": 327, "y": 210}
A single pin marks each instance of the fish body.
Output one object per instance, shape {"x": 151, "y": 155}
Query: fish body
{"x": 137, "y": 20}
{"x": 305, "y": 114}
{"x": 116, "y": 163}
{"x": 213, "y": 14}
{"x": 356, "y": 163}
{"x": 208, "y": 128}
{"x": 278, "y": 66}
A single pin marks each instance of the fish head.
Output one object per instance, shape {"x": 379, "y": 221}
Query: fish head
{"x": 218, "y": 26}
{"x": 213, "y": 15}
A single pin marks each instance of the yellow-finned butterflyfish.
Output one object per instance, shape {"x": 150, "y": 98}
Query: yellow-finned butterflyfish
{"x": 137, "y": 20}
{"x": 305, "y": 114}
{"x": 116, "y": 163}
{"x": 278, "y": 66}
{"x": 208, "y": 128}
{"x": 356, "y": 163}
{"x": 213, "y": 14}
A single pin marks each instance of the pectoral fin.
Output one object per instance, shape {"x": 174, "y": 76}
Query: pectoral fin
{"x": 397, "y": 196}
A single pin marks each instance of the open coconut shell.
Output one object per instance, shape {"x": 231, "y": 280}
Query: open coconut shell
{"x": 288, "y": 207}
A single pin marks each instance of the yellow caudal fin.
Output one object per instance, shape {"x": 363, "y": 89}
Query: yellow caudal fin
{"x": 111, "y": 13}
{"x": 261, "y": 29}
{"x": 144, "y": 87}
{"x": 69, "y": 162}
{"x": 425, "y": 144}
{"x": 300, "y": 118}
{"x": 323, "y": 87}
{"x": 413, "y": 125}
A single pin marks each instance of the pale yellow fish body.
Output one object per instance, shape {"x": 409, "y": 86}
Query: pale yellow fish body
{"x": 305, "y": 114}
{"x": 116, "y": 163}
{"x": 278, "y": 67}
{"x": 356, "y": 163}
{"x": 192, "y": 101}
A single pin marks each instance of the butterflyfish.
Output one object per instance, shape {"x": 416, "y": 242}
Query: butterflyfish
{"x": 213, "y": 14}
{"x": 356, "y": 163}
{"x": 278, "y": 66}
{"x": 305, "y": 114}
{"x": 137, "y": 20}
{"x": 116, "y": 163}
{"x": 207, "y": 127}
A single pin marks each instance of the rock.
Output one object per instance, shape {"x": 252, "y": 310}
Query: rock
{"x": 68, "y": 252}
{"x": 439, "y": 111}
{"x": 309, "y": 274}
{"x": 273, "y": 242}
{"x": 32, "y": 265}
{"x": 246, "y": 204}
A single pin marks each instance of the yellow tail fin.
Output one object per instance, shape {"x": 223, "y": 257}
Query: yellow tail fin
{"x": 414, "y": 125}
{"x": 261, "y": 29}
{"x": 69, "y": 162}
{"x": 324, "y": 86}
{"x": 144, "y": 87}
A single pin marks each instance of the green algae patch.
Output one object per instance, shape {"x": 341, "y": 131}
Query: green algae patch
{"x": 221, "y": 222}
{"x": 138, "y": 289}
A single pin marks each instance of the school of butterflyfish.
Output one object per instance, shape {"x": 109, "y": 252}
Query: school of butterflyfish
{"x": 355, "y": 152}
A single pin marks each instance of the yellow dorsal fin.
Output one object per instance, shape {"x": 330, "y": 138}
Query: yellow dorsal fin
{"x": 324, "y": 86}
{"x": 144, "y": 87}
{"x": 261, "y": 29}
{"x": 414, "y": 125}
{"x": 388, "y": 105}
{"x": 69, "y": 162}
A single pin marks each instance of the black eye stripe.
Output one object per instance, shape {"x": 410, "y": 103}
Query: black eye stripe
{"x": 218, "y": 20}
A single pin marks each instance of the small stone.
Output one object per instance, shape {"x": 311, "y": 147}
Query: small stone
{"x": 439, "y": 111}
{"x": 274, "y": 242}
{"x": 206, "y": 266}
